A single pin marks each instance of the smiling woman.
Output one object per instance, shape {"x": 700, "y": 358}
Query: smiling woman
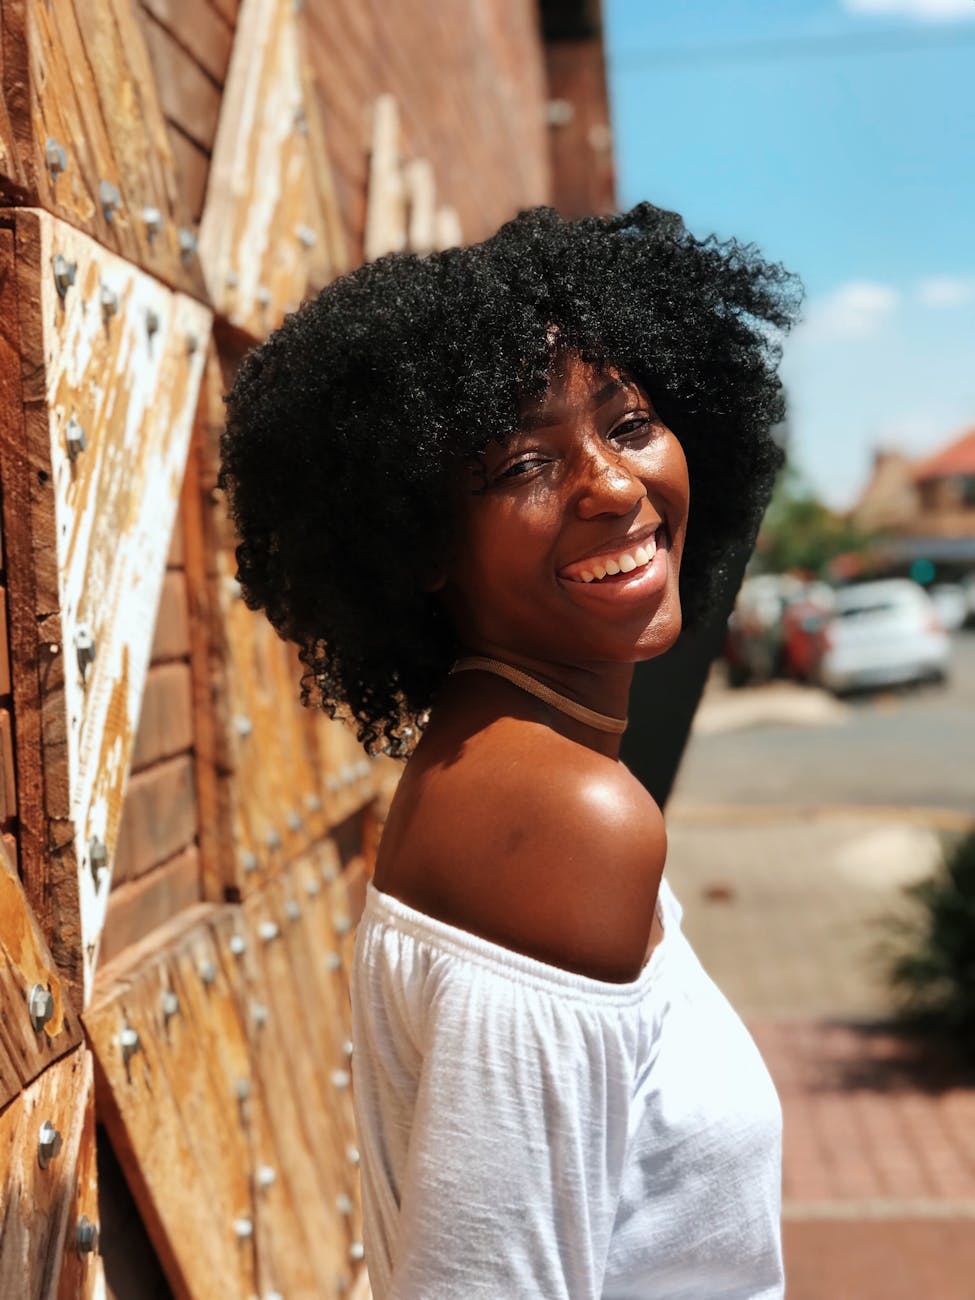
{"x": 476, "y": 488}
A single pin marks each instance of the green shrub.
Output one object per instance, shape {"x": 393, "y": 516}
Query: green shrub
{"x": 935, "y": 974}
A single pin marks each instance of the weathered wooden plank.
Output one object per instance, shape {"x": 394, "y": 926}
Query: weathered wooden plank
{"x": 31, "y": 992}
{"x": 386, "y": 215}
{"x": 118, "y": 359}
{"x": 42, "y": 1133}
{"x": 188, "y": 96}
{"x": 171, "y": 637}
{"x": 192, "y": 169}
{"x": 166, "y": 719}
{"x": 158, "y": 1106}
{"x": 268, "y": 233}
{"x": 4, "y": 645}
{"x": 137, "y": 907}
{"x": 204, "y": 33}
{"x": 82, "y": 1275}
{"x": 77, "y": 75}
{"x": 159, "y": 817}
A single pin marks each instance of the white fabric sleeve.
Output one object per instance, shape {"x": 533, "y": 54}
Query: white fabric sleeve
{"x": 517, "y": 1145}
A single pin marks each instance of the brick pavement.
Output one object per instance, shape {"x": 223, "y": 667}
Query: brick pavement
{"x": 879, "y": 1134}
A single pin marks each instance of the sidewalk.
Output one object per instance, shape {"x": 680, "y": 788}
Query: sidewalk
{"x": 786, "y": 913}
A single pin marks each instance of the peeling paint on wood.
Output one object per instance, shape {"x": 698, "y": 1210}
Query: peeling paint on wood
{"x": 117, "y": 360}
{"x": 270, "y": 233}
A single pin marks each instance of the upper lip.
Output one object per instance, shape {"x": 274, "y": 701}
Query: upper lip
{"x": 617, "y": 545}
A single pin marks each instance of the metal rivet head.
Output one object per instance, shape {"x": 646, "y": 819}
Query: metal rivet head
{"x": 294, "y": 820}
{"x": 153, "y": 221}
{"x": 301, "y": 120}
{"x": 109, "y": 301}
{"x": 330, "y": 872}
{"x": 169, "y": 1003}
{"x": 84, "y": 644}
{"x": 55, "y": 157}
{"x": 268, "y": 930}
{"x": 259, "y": 1014}
{"x": 86, "y": 1236}
{"x": 187, "y": 245}
{"x": 110, "y": 199}
{"x": 129, "y": 1042}
{"x": 233, "y": 588}
{"x": 362, "y": 767}
{"x": 48, "y": 1144}
{"x": 340, "y": 1079}
{"x": 40, "y": 1006}
{"x": 243, "y": 725}
{"x": 237, "y": 945}
{"x": 65, "y": 273}
{"x": 342, "y": 924}
{"x": 192, "y": 343}
{"x": 357, "y": 1250}
{"x": 333, "y": 961}
{"x": 263, "y": 295}
{"x": 348, "y": 1047}
{"x": 249, "y": 861}
{"x": 75, "y": 435}
{"x": 313, "y": 803}
{"x": 243, "y": 1229}
{"x": 152, "y": 322}
{"x": 312, "y": 887}
{"x": 97, "y": 856}
{"x": 273, "y": 839}
{"x": 352, "y": 1153}
{"x": 266, "y": 1175}
{"x": 242, "y": 1088}
{"x": 306, "y": 236}
{"x": 344, "y": 1203}
{"x": 232, "y": 280}
{"x": 348, "y": 774}
{"x": 207, "y": 971}
{"x": 331, "y": 783}
{"x": 292, "y": 910}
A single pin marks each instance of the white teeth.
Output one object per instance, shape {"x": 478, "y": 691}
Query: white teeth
{"x": 612, "y": 567}
{"x": 599, "y": 570}
{"x": 586, "y": 576}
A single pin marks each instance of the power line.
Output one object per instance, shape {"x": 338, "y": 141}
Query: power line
{"x": 794, "y": 47}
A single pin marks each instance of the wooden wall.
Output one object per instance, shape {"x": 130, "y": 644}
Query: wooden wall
{"x": 183, "y": 848}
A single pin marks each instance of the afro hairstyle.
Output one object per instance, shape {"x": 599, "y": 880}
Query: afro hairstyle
{"x": 348, "y": 426}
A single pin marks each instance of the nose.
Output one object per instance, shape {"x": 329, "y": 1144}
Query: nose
{"x": 608, "y": 485}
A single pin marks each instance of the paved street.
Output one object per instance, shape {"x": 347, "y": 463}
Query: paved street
{"x": 907, "y": 748}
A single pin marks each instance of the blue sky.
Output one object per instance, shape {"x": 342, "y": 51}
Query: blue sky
{"x": 839, "y": 135}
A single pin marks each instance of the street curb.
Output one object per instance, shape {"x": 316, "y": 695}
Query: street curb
{"x": 941, "y": 819}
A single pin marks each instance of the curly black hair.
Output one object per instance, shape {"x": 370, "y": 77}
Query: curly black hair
{"x": 347, "y": 427}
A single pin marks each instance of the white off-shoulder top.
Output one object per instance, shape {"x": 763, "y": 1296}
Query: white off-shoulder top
{"x": 531, "y": 1133}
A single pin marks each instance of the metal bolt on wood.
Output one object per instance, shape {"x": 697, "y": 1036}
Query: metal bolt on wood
{"x": 232, "y": 280}
{"x": 40, "y": 1006}
{"x": 348, "y": 1047}
{"x": 301, "y": 120}
{"x": 268, "y": 930}
{"x": 169, "y": 1003}
{"x": 264, "y": 295}
{"x": 129, "y": 1042}
{"x": 75, "y": 436}
{"x": 243, "y": 725}
{"x": 259, "y": 1013}
{"x": 340, "y": 1078}
{"x": 242, "y": 1089}
{"x": 249, "y": 861}
{"x": 344, "y": 1203}
{"x": 333, "y": 961}
{"x": 109, "y": 301}
{"x": 48, "y": 1144}
{"x": 313, "y": 803}
{"x": 237, "y": 945}
{"x": 342, "y": 924}
{"x": 243, "y": 1229}
{"x": 97, "y": 855}
{"x": 266, "y": 1175}
{"x": 207, "y": 971}
{"x": 292, "y": 910}
{"x": 192, "y": 343}
{"x": 152, "y": 322}
{"x": 357, "y": 1250}
{"x": 110, "y": 199}
{"x": 273, "y": 838}
{"x": 55, "y": 157}
{"x": 332, "y": 783}
{"x": 64, "y": 273}
{"x": 294, "y": 820}
{"x": 187, "y": 245}
{"x": 84, "y": 644}
{"x": 306, "y": 236}
{"x": 352, "y": 1153}
{"x": 233, "y": 587}
{"x": 312, "y": 887}
{"x": 152, "y": 219}
{"x": 86, "y": 1236}
{"x": 330, "y": 872}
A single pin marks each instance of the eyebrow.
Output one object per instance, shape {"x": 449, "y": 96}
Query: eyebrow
{"x": 556, "y": 417}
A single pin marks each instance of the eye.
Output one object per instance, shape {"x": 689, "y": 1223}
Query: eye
{"x": 632, "y": 430}
{"x": 519, "y": 468}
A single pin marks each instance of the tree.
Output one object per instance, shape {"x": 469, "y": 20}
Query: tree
{"x": 799, "y": 532}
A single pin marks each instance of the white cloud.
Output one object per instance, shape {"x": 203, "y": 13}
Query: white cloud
{"x": 856, "y": 310}
{"x": 946, "y": 290}
{"x": 923, "y": 10}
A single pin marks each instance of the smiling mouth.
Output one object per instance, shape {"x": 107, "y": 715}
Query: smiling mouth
{"x": 617, "y": 566}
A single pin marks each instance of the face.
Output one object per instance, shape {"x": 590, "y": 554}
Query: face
{"x": 569, "y": 550}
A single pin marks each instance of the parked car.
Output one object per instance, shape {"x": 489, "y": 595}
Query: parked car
{"x": 882, "y": 633}
{"x": 951, "y": 603}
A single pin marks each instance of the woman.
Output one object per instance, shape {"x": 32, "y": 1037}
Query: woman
{"x": 462, "y": 484}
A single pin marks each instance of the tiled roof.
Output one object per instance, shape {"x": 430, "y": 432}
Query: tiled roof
{"x": 957, "y": 458}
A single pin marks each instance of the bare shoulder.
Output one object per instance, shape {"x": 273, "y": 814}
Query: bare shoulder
{"x": 545, "y": 847}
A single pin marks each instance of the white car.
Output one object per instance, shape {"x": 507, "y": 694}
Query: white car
{"x": 882, "y": 633}
{"x": 951, "y": 603}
